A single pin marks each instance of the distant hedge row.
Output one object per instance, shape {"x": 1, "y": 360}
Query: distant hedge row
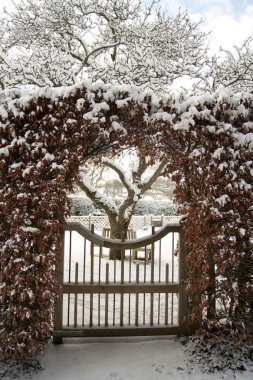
{"x": 84, "y": 206}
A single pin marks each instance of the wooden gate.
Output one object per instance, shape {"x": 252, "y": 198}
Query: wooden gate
{"x": 141, "y": 294}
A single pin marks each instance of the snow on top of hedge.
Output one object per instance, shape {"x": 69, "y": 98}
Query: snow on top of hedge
{"x": 185, "y": 103}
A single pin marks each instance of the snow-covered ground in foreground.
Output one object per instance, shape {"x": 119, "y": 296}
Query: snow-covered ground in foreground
{"x": 124, "y": 359}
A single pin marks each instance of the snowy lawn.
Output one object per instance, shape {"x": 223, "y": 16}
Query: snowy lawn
{"x": 153, "y": 358}
{"x": 162, "y": 358}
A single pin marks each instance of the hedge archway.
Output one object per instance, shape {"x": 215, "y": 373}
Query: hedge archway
{"x": 47, "y": 135}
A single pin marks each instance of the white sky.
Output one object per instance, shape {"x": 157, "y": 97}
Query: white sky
{"x": 231, "y": 21}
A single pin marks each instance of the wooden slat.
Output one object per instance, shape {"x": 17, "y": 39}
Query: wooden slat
{"x": 122, "y": 279}
{"x": 59, "y": 302}
{"x": 106, "y": 295}
{"x": 137, "y": 297}
{"x": 114, "y": 309}
{"x": 84, "y": 268}
{"x": 83, "y": 309}
{"x": 183, "y": 302}
{"x": 122, "y": 275}
{"x": 114, "y": 299}
{"x": 99, "y": 280}
{"x": 144, "y": 308}
{"x": 91, "y": 309}
{"x": 173, "y": 257}
{"x": 92, "y": 258}
{"x": 91, "y": 275}
{"x": 152, "y": 280}
{"x": 172, "y": 308}
{"x": 129, "y": 309}
{"x": 152, "y": 257}
{"x": 70, "y": 262}
{"x": 118, "y": 244}
{"x": 75, "y": 300}
{"x": 99, "y": 263}
{"x": 166, "y": 294}
{"x": 114, "y": 331}
{"x": 159, "y": 274}
{"x": 111, "y": 288}
{"x": 151, "y": 309}
{"x": 84, "y": 258}
{"x": 172, "y": 276}
{"x": 99, "y": 308}
{"x": 70, "y": 254}
{"x": 160, "y": 259}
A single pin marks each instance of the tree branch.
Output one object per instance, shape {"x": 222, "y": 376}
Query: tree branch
{"x": 94, "y": 194}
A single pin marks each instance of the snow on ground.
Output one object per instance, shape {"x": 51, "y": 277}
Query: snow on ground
{"x": 161, "y": 358}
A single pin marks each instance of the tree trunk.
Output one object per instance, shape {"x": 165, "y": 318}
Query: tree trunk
{"x": 119, "y": 229}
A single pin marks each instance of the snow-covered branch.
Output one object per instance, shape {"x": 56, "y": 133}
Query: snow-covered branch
{"x": 122, "y": 41}
{"x": 131, "y": 189}
{"x": 96, "y": 196}
{"x": 234, "y": 69}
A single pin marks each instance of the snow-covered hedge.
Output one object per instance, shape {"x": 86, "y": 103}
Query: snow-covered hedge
{"x": 45, "y": 136}
{"x": 212, "y": 165}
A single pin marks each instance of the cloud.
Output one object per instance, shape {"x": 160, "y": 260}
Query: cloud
{"x": 228, "y": 31}
{"x": 230, "y": 21}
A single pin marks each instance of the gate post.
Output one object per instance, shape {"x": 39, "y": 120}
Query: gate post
{"x": 58, "y": 306}
{"x": 183, "y": 299}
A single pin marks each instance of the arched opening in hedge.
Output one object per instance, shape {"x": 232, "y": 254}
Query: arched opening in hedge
{"x": 47, "y": 135}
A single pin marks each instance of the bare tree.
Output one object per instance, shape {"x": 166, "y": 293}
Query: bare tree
{"x": 141, "y": 179}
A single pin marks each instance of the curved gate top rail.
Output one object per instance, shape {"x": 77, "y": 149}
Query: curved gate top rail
{"x": 122, "y": 244}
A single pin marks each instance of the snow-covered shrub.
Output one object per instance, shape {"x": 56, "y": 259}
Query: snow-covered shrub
{"x": 84, "y": 206}
{"x": 44, "y": 137}
{"x": 211, "y": 158}
{"x": 152, "y": 207}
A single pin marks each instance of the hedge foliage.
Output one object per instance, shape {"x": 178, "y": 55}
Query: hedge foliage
{"x": 47, "y": 135}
